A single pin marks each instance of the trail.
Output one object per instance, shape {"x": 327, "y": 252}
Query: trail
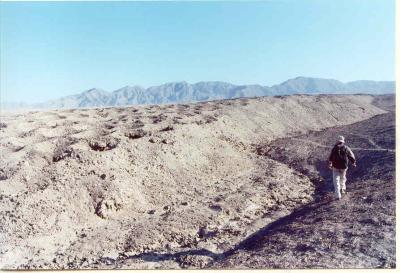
{"x": 317, "y": 234}
{"x": 354, "y": 149}
{"x": 371, "y": 141}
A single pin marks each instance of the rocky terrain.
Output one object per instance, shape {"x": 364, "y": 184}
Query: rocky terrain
{"x": 228, "y": 184}
{"x": 355, "y": 232}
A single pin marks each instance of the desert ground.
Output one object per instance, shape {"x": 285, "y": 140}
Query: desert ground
{"x": 239, "y": 183}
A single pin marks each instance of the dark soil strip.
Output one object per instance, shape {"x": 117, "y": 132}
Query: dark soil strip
{"x": 355, "y": 232}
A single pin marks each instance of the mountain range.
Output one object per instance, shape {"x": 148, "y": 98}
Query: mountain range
{"x": 183, "y": 92}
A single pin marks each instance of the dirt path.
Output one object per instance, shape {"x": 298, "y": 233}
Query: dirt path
{"x": 371, "y": 141}
{"x": 353, "y": 148}
{"x": 355, "y": 232}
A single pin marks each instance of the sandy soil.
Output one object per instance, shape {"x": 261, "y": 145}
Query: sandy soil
{"x": 170, "y": 186}
{"x": 355, "y": 232}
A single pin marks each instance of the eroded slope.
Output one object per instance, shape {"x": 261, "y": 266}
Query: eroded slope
{"x": 355, "y": 232}
{"x": 142, "y": 187}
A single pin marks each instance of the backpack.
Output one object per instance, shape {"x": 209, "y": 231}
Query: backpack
{"x": 340, "y": 159}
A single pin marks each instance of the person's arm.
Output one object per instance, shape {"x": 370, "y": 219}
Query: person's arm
{"x": 330, "y": 159}
{"x": 351, "y": 157}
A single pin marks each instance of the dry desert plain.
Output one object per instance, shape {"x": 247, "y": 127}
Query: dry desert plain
{"x": 239, "y": 183}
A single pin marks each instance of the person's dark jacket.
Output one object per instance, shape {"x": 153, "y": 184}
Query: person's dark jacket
{"x": 341, "y": 155}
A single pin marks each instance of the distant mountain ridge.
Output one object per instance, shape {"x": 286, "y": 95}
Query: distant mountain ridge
{"x": 183, "y": 92}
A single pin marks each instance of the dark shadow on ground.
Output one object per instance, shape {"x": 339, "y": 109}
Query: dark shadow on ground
{"x": 247, "y": 244}
{"x": 373, "y": 167}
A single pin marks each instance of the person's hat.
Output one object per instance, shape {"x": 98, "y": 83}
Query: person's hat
{"x": 341, "y": 139}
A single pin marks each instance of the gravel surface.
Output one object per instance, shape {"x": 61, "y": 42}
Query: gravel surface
{"x": 173, "y": 186}
{"x": 357, "y": 231}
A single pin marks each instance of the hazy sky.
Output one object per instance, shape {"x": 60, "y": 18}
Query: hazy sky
{"x": 51, "y": 49}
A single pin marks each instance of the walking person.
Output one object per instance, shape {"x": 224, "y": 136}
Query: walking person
{"x": 339, "y": 163}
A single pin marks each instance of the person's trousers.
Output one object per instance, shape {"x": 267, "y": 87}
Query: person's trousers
{"x": 339, "y": 181}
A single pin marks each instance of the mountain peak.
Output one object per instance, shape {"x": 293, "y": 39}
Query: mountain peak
{"x": 94, "y": 90}
{"x": 129, "y": 87}
{"x": 182, "y": 92}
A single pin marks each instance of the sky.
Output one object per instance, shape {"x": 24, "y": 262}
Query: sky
{"x": 54, "y": 49}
